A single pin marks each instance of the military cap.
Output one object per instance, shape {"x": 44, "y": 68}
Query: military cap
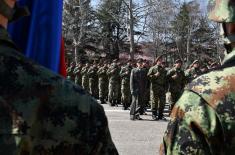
{"x": 214, "y": 64}
{"x": 140, "y": 60}
{"x": 196, "y": 61}
{"x": 158, "y": 58}
{"x": 223, "y": 11}
{"x": 178, "y": 61}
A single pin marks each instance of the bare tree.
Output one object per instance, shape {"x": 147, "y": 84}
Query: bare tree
{"x": 76, "y": 19}
{"x": 160, "y": 15}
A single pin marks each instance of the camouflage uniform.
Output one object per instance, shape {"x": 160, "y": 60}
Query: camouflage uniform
{"x": 41, "y": 113}
{"x": 103, "y": 83}
{"x": 177, "y": 82}
{"x": 125, "y": 85}
{"x": 77, "y": 73}
{"x": 158, "y": 92}
{"x": 114, "y": 78}
{"x": 119, "y": 86}
{"x": 202, "y": 122}
{"x": 85, "y": 78}
{"x": 93, "y": 81}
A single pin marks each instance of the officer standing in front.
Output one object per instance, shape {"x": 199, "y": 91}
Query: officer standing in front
{"x": 137, "y": 87}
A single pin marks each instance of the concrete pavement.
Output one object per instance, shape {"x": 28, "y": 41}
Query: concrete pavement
{"x": 134, "y": 137}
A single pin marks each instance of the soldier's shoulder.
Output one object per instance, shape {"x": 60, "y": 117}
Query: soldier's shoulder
{"x": 214, "y": 85}
{"x": 171, "y": 70}
{"x": 134, "y": 69}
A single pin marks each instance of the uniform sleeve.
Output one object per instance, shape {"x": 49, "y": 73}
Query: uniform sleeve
{"x": 170, "y": 73}
{"x": 193, "y": 129}
{"x": 150, "y": 72}
{"x": 121, "y": 72}
{"x": 83, "y": 71}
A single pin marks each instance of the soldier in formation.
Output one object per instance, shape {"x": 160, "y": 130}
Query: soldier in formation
{"x": 93, "y": 80}
{"x": 103, "y": 83}
{"x": 177, "y": 81}
{"x": 78, "y": 75}
{"x": 70, "y": 71}
{"x": 125, "y": 85}
{"x": 85, "y": 77}
{"x": 114, "y": 80}
{"x": 193, "y": 71}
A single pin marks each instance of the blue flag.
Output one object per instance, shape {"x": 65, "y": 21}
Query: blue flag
{"x": 39, "y": 35}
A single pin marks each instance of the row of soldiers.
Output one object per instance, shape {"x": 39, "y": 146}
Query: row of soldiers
{"x": 113, "y": 82}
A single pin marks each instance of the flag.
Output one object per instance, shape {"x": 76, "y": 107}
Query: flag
{"x": 39, "y": 35}
{"x": 62, "y": 70}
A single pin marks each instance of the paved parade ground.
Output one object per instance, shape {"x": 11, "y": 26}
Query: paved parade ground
{"x": 134, "y": 137}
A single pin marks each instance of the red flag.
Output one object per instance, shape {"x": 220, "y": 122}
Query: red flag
{"x": 62, "y": 59}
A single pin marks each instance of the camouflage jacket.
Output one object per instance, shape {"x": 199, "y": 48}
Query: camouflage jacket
{"x": 92, "y": 73}
{"x": 77, "y": 71}
{"x": 70, "y": 72}
{"x": 125, "y": 75}
{"x": 160, "y": 80}
{"x": 203, "y": 120}
{"x": 113, "y": 73}
{"x": 102, "y": 73}
{"x": 177, "y": 82}
{"x": 41, "y": 113}
{"x": 84, "y": 71}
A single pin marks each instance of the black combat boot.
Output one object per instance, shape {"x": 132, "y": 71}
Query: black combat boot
{"x": 125, "y": 107}
{"x": 102, "y": 100}
{"x": 154, "y": 115}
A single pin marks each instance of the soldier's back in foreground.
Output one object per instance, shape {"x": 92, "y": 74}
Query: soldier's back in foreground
{"x": 203, "y": 120}
{"x": 41, "y": 113}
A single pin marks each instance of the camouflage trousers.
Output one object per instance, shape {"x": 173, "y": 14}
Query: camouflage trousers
{"x": 126, "y": 95}
{"x": 113, "y": 91}
{"x": 93, "y": 87}
{"x": 158, "y": 99}
{"x": 78, "y": 80}
{"x": 119, "y": 92}
{"x": 85, "y": 83}
{"x": 103, "y": 89}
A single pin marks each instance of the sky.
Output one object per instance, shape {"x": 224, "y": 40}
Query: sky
{"x": 202, "y": 2}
